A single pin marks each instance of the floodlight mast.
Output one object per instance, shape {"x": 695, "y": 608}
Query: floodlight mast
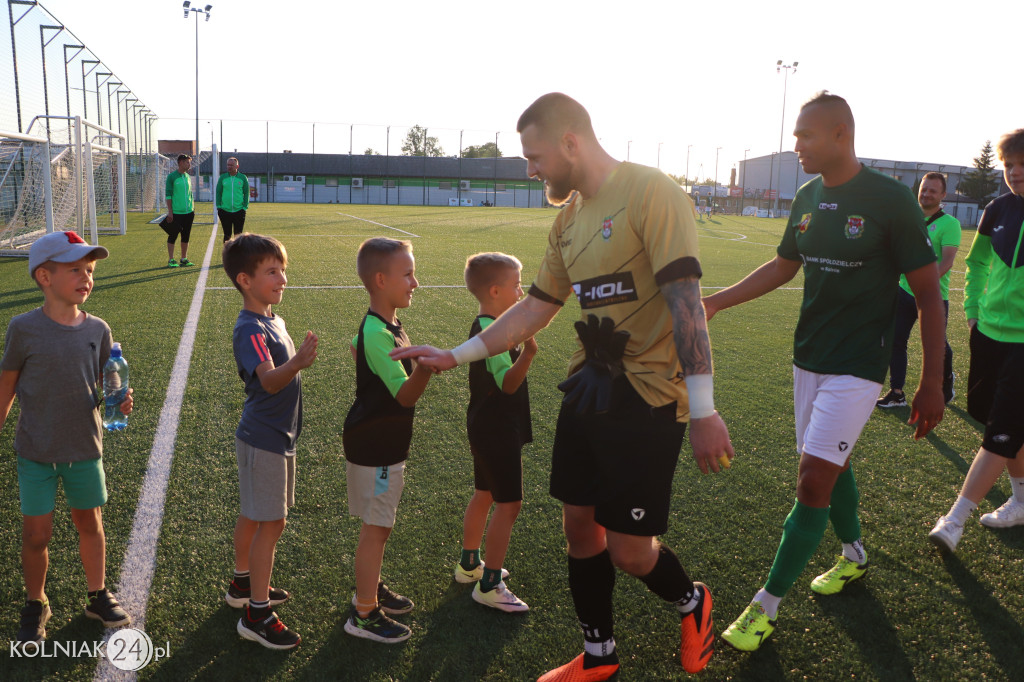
{"x": 779, "y": 67}
{"x": 187, "y": 8}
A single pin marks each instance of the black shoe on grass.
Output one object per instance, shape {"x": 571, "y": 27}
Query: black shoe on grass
{"x": 103, "y": 607}
{"x": 34, "y": 615}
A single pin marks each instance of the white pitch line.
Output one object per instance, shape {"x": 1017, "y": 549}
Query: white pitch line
{"x": 373, "y": 222}
{"x": 140, "y": 557}
{"x": 348, "y": 286}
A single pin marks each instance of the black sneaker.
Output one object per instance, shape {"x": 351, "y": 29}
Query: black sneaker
{"x": 270, "y": 632}
{"x": 391, "y": 603}
{"x": 34, "y": 615}
{"x": 948, "y": 392}
{"x": 891, "y": 399}
{"x": 237, "y": 596}
{"x": 103, "y": 607}
{"x": 377, "y": 626}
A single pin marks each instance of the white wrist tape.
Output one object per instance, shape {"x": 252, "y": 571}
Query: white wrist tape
{"x": 470, "y": 351}
{"x": 702, "y": 395}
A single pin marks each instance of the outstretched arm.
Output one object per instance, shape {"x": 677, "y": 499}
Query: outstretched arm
{"x": 518, "y": 323}
{"x": 708, "y": 433}
{"x": 768, "y": 277}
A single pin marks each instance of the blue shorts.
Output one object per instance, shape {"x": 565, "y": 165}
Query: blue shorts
{"x": 85, "y": 485}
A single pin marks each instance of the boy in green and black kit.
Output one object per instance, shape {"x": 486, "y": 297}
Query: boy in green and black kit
{"x": 53, "y": 360}
{"x": 378, "y": 431}
{"x": 498, "y": 425}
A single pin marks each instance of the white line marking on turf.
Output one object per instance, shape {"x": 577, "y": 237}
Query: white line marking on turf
{"x": 349, "y": 286}
{"x": 372, "y": 222}
{"x": 140, "y": 557}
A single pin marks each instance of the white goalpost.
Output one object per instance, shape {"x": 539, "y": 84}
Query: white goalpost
{"x": 61, "y": 180}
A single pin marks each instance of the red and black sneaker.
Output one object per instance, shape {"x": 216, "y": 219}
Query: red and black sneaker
{"x": 270, "y": 631}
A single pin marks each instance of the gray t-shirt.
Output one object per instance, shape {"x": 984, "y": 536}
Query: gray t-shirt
{"x": 59, "y": 386}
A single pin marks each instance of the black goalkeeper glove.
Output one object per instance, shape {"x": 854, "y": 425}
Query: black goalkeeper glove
{"x": 590, "y": 387}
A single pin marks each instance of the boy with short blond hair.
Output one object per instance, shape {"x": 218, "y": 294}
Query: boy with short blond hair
{"x": 498, "y": 425}
{"x": 269, "y": 366}
{"x": 53, "y": 361}
{"x": 378, "y": 431}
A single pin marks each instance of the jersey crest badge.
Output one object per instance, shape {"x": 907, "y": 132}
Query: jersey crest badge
{"x": 606, "y": 228}
{"x": 854, "y": 227}
{"x": 805, "y": 222}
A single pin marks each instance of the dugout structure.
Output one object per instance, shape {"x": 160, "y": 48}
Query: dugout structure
{"x": 64, "y": 173}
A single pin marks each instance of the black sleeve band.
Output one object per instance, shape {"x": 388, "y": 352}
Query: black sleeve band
{"x": 678, "y": 269}
{"x": 543, "y": 295}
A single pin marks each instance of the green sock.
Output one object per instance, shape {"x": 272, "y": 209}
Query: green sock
{"x": 843, "y": 509}
{"x": 470, "y": 559}
{"x": 492, "y": 576}
{"x": 801, "y": 535}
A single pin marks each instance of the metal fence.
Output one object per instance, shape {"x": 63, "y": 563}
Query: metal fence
{"x": 47, "y": 71}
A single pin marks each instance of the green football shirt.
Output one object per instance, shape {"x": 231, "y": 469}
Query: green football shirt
{"x": 179, "y": 191}
{"x": 943, "y": 231}
{"x": 854, "y": 241}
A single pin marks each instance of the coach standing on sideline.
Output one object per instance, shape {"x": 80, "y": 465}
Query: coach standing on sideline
{"x": 180, "y": 210}
{"x": 944, "y": 232}
{"x": 626, "y": 243}
{"x": 854, "y": 230}
{"x": 232, "y": 200}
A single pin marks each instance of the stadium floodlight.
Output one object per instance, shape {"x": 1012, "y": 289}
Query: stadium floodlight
{"x": 779, "y": 67}
{"x": 659, "y": 154}
{"x": 187, "y": 6}
{"x": 628, "y": 145}
{"x": 687, "y": 178}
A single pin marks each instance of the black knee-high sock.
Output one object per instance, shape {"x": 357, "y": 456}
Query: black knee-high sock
{"x": 591, "y": 582}
{"x": 667, "y": 579}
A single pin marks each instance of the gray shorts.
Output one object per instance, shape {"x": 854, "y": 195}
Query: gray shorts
{"x": 374, "y": 492}
{"x": 266, "y": 482}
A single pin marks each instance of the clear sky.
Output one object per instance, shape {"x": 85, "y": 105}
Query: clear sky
{"x": 927, "y": 81}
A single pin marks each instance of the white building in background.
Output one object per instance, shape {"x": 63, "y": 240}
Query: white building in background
{"x": 764, "y": 178}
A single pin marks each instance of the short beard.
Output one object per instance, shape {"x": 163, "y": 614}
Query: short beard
{"x": 557, "y": 195}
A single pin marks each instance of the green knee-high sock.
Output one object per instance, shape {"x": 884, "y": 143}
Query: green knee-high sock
{"x": 801, "y": 535}
{"x": 843, "y": 509}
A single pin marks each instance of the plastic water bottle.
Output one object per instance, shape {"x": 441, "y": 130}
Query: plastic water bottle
{"x": 115, "y": 388}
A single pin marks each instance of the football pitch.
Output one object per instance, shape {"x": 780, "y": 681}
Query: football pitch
{"x": 916, "y": 615}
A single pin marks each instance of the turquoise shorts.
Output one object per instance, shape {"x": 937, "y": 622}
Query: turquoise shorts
{"x": 85, "y": 485}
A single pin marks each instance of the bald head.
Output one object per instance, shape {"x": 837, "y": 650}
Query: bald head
{"x": 555, "y": 114}
{"x": 836, "y": 110}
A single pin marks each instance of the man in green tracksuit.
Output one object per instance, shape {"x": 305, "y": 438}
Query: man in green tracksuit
{"x": 994, "y": 304}
{"x": 180, "y": 210}
{"x": 232, "y": 200}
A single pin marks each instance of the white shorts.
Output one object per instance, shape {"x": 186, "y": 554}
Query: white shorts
{"x": 374, "y": 492}
{"x": 831, "y": 411}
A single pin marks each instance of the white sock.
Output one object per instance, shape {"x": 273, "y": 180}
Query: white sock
{"x": 854, "y": 551}
{"x": 961, "y": 510}
{"x": 687, "y": 607}
{"x": 600, "y": 649}
{"x": 769, "y": 601}
{"x": 1017, "y": 486}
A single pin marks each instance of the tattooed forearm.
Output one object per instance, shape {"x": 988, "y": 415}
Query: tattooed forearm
{"x": 689, "y": 325}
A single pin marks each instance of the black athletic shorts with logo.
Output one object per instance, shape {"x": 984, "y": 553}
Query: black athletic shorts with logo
{"x": 995, "y": 392}
{"x": 621, "y": 463}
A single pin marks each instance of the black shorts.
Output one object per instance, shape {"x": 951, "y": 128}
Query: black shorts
{"x": 995, "y": 392}
{"x": 498, "y": 469}
{"x": 621, "y": 463}
{"x": 182, "y": 225}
